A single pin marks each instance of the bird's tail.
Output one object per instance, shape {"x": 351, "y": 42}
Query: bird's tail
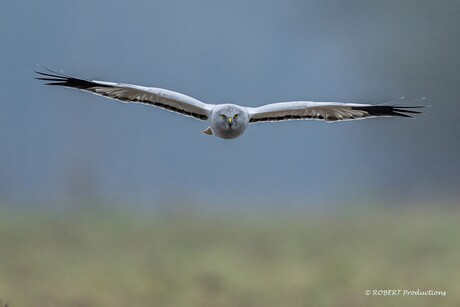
{"x": 207, "y": 131}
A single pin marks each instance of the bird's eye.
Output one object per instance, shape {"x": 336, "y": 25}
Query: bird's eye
{"x": 236, "y": 116}
{"x": 223, "y": 116}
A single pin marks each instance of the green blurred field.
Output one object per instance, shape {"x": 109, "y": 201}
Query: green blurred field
{"x": 109, "y": 259}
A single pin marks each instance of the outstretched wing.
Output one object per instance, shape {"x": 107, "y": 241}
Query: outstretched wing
{"x": 328, "y": 111}
{"x": 162, "y": 98}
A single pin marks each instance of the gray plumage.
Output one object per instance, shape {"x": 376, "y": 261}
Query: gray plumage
{"x": 228, "y": 121}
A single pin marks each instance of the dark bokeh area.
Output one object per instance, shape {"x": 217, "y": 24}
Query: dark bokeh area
{"x": 59, "y": 144}
{"x": 111, "y": 204}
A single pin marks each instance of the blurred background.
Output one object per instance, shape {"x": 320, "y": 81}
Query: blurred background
{"x": 110, "y": 204}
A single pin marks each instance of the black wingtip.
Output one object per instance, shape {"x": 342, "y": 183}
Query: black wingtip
{"x": 398, "y": 111}
{"x": 51, "y": 75}
{"x": 62, "y": 79}
{"x": 58, "y": 83}
{"x": 49, "y": 79}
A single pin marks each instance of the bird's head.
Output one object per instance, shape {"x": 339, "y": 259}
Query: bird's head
{"x": 230, "y": 119}
{"x": 229, "y": 116}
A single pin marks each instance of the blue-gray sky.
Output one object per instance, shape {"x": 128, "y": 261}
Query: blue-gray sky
{"x": 60, "y": 144}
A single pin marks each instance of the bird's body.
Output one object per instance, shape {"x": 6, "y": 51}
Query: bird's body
{"x": 227, "y": 121}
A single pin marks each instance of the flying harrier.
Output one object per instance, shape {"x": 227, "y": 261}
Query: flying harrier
{"x": 228, "y": 121}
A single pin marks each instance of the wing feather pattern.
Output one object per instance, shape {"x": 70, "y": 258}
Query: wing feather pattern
{"x": 161, "y": 98}
{"x": 326, "y": 111}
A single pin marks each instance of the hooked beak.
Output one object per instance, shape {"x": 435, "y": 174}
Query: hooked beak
{"x": 230, "y": 121}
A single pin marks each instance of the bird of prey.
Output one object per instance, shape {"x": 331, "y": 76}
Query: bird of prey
{"x": 227, "y": 121}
